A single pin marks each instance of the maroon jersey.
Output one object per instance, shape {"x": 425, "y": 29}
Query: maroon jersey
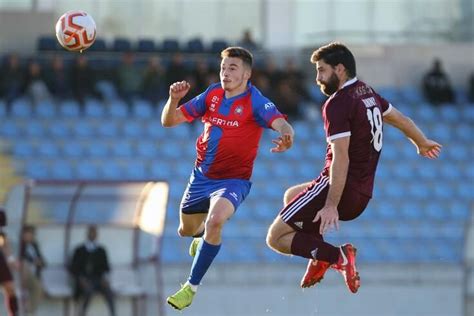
{"x": 356, "y": 111}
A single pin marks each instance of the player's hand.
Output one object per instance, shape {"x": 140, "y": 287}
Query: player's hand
{"x": 282, "y": 143}
{"x": 179, "y": 89}
{"x": 429, "y": 149}
{"x": 329, "y": 217}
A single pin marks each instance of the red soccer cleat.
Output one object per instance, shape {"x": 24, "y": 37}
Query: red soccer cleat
{"x": 314, "y": 272}
{"x": 346, "y": 265}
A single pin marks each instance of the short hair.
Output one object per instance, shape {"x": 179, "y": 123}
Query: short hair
{"x": 334, "y": 54}
{"x": 239, "y": 52}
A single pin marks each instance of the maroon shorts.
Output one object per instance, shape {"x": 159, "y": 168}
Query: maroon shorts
{"x": 5, "y": 274}
{"x": 300, "y": 212}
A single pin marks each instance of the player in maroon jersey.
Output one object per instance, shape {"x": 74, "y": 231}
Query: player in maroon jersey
{"x": 353, "y": 121}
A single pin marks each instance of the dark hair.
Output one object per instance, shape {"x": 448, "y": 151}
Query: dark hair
{"x": 334, "y": 54}
{"x": 238, "y": 52}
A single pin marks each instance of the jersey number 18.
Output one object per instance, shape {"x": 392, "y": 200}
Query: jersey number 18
{"x": 375, "y": 119}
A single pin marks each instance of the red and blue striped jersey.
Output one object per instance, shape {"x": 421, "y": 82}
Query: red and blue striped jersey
{"x": 232, "y": 130}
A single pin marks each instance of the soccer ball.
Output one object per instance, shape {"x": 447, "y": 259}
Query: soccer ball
{"x": 75, "y": 30}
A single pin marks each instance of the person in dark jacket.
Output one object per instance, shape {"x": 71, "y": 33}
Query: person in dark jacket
{"x": 90, "y": 268}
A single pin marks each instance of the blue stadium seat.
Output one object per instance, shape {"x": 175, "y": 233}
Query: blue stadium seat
{"x": 160, "y": 171}
{"x": 133, "y": 129}
{"x": 37, "y": 169}
{"x": 464, "y": 132}
{"x": 112, "y": 170}
{"x": 170, "y": 149}
{"x": 436, "y": 211}
{"x": 122, "y": 149}
{"x": 21, "y": 107}
{"x": 467, "y": 112}
{"x": 146, "y": 46}
{"x": 69, "y": 109}
{"x": 48, "y": 149}
{"x": 142, "y": 109}
{"x": 218, "y": 45}
{"x": 47, "y": 43}
{"x": 72, "y": 149}
{"x": 440, "y": 132}
{"x": 97, "y": 149}
{"x": 83, "y": 128}
{"x": 10, "y": 129}
{"x": 121, "y": 44}
{"x": 23, "y": 150}
{"x": 109, "y": 128}
{"x": 118, "y": 109}
{"x": 459, "y": 210}
{"x": 3, "y": 109}
{"x": 87, "y": 170}
{"x": 147, "y": 149}
{"x": 59, "y": 129}
{"x": 107, "y": 90}
{"x": 411, "y": 94}
{"x": 94, "y": 108}
{"x": 136, "y": 170}
{"x": 154, "y": 130}
{"x": 62, "y": 170}
{"x": 34, "y": 129}
{"x": 99, "y": 45}
{"x": 195, "y": 45}
{"x": 45, "y": 109}
{"x": 449, "y": 113}
{"x": 390, "y": 93}
{"x": 425, "y": 112}
{"x": 170, "y": 46}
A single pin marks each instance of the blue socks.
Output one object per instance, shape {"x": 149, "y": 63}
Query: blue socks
{"x": 202, "y": 261}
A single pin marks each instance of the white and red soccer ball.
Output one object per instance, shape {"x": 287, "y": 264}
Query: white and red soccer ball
{"x": 76, "y": 30}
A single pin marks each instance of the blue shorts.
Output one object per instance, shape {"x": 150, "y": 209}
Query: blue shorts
{"x": 201, "y": 189}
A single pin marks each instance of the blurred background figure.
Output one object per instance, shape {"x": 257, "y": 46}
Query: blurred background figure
{"x": 436, "y": 85}
{"x": 31, "y": 265}
{"x": 35, "y": 86}
{"x": 12, "y": 77}
{"x": 83, "y": 79}
{"x": 471, "y": 88}
{"x": 58, "y": 78}
{"x": 129, "y": 78}
{"x": 7, "y": 261}
{"x": 89, "y": 268}
{"x": 247, "y": 41}
{"x": 153, "y": 88}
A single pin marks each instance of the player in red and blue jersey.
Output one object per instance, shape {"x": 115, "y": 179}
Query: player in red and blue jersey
{"x": 353, "y": 120}
{"x": 234, "y": 113}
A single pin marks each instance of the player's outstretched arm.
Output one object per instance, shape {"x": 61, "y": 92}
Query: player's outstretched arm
{"x": 285, "y": 140}
{"x": 171, "y": 116}
{"x": 425, "y": 147}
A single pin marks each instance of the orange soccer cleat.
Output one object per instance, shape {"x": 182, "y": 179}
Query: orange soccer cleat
{"x": 347, "y": 267}
{"x": 314, "y": 272}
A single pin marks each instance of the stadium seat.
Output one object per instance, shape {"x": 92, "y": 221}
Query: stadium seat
{"x": 160, "y": 171}
{"x": 87, "y": 170}
{"x": 467, "y": 112}
{"x": 3, "y": 109}
{"x": 83, "y": 128}
{"x": 69, "y": 109}
{"x": 45, "y": 109}
{"x": 34, "y": 129}
{"x": 411, "y": 95}
{"x": 21, "y": 107}
{"x": 47, "y": 43}
{"x": 121, "y": 44}
{"x": 112, "y": 171}
{"x": 146, "y": 46}
{"x": 154, "y": 130}
{"x": 170, "y": 46}
{"x": 133, "y": 129}
{"x": 142, "y": 109}
{"x": 47, "y": 149}
{"x": 117, "y": 109}
{"x": 59, "y": 129}
{"x": 94, "y": 108}
{"x": 218, "y": 45}
{"x": 390, "y": 93}
{"x": 37, "y": 169}
{"x": 121, "y": 149}
{"x": 10, "y": 129}
{"x": 72, "y": 149}
{"x": 147, "y": 149}
{"x": 99, "y": 45}
{"x": 107, "y": 90}
{"x": 97, "y": 149}
{"x": 23, "y": 150}
{"x": 195, "y": 45}
{"x": 136, "y": 170}
{"x": 62, "y": 170}
{"x": 109, "y": 129}
{"x": 449, "y": 113}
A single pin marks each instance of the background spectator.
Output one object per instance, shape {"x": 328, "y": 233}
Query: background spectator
{"x": 247, "y": 41}
{"x": 471, "y": 88}
{"x": 436, "y": 85}
{"x": 12, "y": 77}
{"x": 35, "y": 86}
{"x": 153, "y": 88}
{"x": 57, "y": 78}
{"x": 89, "y": 268}
{"x": 129, "y": 78}
{"x": 31, "y": 264}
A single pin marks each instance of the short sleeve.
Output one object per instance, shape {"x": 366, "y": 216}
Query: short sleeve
{"x": 386, "y": 106}
{"x": 337, "y": 119}
{"x": 265, "y": 111}
{"x": 194, "y": 108}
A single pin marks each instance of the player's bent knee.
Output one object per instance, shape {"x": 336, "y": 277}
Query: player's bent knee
{"x": 186, "y": 231}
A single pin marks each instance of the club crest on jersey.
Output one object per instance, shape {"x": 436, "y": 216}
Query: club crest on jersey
{"x": 239, "y": 110}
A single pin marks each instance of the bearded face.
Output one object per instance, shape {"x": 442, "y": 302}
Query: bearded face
{"x": 329, "y": 86}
